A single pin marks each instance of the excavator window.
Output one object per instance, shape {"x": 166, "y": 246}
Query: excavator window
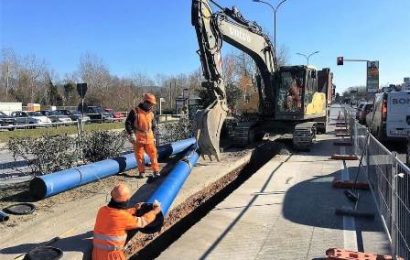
{"x": 291, "y": 91}
{"x": 313, "y": 74}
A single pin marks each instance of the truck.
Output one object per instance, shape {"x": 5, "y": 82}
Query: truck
{"x": 9, "y": 107}
{"x": 389, "y": 119}
{"x": 292, "y": 99}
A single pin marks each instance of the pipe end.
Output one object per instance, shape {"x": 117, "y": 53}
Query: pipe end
{"x": 154, "y": 226}
{"x": 38, "y": 188}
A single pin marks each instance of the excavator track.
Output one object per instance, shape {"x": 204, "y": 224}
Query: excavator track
{"x": 303, "y": 135}
{"x": 242, "y": 134}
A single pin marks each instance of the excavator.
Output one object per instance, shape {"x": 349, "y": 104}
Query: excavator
{"x": 291, "y": 102}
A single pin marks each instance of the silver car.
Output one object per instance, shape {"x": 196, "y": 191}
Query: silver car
{"x": 57, "y": 116}
{"x": 30, "y": 118}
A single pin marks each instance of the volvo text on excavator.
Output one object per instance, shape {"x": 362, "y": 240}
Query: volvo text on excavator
{"x": 293, "y": 100}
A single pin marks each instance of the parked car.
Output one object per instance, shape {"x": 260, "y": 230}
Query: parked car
{"x": 30, "y": 118}
{"x": 390, "y": 116}
{"x": 97, "y": 114}
{"x": 359, "y": 109}
{"x": 56, "y": 116}
{"x": 8, "y": 121}
{"x": 116, "y": 116}
{"x": 363, "y": 111}
{"x": 74, "y": 115}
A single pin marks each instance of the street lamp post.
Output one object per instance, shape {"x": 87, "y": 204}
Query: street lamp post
{"x": 275, "y": 10}
{"x": 185, "y": 98}
{"x": 161, "y": 100}
{"x": 307, "y": 56}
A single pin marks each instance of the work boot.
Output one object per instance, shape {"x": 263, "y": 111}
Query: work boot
{"x": 141, "y": 175}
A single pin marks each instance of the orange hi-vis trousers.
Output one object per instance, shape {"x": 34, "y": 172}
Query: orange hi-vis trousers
{"x": 151, "y": 150}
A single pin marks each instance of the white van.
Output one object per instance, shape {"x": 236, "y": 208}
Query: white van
{"x": 390, "y": 116}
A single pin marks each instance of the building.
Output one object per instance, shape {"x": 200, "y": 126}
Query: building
{"x": 188, "y": 105}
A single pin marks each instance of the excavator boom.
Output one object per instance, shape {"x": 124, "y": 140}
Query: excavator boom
{"x": 290, "y": 100}
{"x": 208, "y": 122}
{"x": 212, "y": 28}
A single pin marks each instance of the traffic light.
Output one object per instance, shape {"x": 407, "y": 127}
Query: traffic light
{"x": 339, "y": 61}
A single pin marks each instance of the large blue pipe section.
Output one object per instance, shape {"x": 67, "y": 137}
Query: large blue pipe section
{"x": 169, "y": 188}
{"x": 57, "y": 182}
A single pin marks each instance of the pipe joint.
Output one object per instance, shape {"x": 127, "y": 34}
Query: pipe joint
{"x": 186, "y": 160}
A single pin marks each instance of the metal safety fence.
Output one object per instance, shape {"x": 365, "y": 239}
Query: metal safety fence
{"x": 32, "y": 125}
{"x": 389, "y": 179}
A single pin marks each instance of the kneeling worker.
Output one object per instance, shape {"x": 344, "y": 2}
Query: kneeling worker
{"x": 140, "y": 126}
{"x": 113, "y": 221}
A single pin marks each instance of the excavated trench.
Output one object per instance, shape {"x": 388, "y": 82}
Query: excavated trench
{"x": 184, "y": 216}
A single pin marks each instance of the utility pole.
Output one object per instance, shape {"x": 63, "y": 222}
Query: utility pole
{"x": 307, "y": 56}
{"x": 275, "y": 10}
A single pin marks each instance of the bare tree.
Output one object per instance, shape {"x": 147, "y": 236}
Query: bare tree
{"x": 194, "y": 80}
{"x": 37, "y": 72}
{"x": 142, "y": 80}
{"x": 8, "y": 71}
{"x": 22, "y": 79}
{"x": 282, "y": 56}
{"x": 94, "y": 72}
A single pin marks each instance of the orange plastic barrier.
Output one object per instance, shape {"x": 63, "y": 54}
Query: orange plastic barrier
{"x": 350, "y": 185}
{"x": 343, "y": 142}
{"x": 344, "y": 157}
{"x": 341, "y": 132}
{"x": 342, "y": 254}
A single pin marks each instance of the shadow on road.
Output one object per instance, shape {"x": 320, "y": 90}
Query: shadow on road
{"x": 78, "y": 243}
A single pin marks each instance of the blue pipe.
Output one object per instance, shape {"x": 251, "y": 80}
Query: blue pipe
{"x": 169, "y": 188}
{"x": 3, "y": 216}
{"x": 54, "y": 183}
{"x": 167, "y": 150}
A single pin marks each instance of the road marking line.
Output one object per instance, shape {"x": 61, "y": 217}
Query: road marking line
{"x": 349, "y": 225}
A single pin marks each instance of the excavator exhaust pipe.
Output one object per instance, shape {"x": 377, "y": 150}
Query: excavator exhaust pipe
{"x": 208, "y": 126}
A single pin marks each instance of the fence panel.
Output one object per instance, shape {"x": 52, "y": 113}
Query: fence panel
{"x": 389, "y": 179}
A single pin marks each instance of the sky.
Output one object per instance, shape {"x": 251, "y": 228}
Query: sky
{"x": 157, "y": 36}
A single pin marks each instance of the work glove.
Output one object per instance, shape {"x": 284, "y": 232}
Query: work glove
{"x": 132, "y": 138}
{"x": 138, "y": 205}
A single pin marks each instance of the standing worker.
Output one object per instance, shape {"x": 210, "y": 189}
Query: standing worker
{"x": 140, "y": 126}
{"x": 114, "y": 220}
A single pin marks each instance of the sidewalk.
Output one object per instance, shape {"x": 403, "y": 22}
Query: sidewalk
{"x": 285, "y": 211}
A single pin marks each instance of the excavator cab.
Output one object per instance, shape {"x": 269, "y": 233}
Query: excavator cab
{"x": 298, "y": 96}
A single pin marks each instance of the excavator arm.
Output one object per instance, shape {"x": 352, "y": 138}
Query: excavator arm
{"x": 212, "y": 29}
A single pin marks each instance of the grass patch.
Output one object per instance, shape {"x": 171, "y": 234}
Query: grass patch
{"x": 61, "y": 130}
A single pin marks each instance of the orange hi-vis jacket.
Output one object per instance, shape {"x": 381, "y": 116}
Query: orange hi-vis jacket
{"x": 143, "y": 126}
{"x": 110, "y": 231}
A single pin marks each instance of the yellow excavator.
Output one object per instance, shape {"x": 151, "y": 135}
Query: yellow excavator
{"x": 293, "y": 100}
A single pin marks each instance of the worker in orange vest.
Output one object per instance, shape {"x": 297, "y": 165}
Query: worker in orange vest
{"x": 114, "y": 220}
{"x": 140, "y": 126}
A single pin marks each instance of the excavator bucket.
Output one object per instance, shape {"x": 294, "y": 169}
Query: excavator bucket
{"x": 208, "y": 125}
